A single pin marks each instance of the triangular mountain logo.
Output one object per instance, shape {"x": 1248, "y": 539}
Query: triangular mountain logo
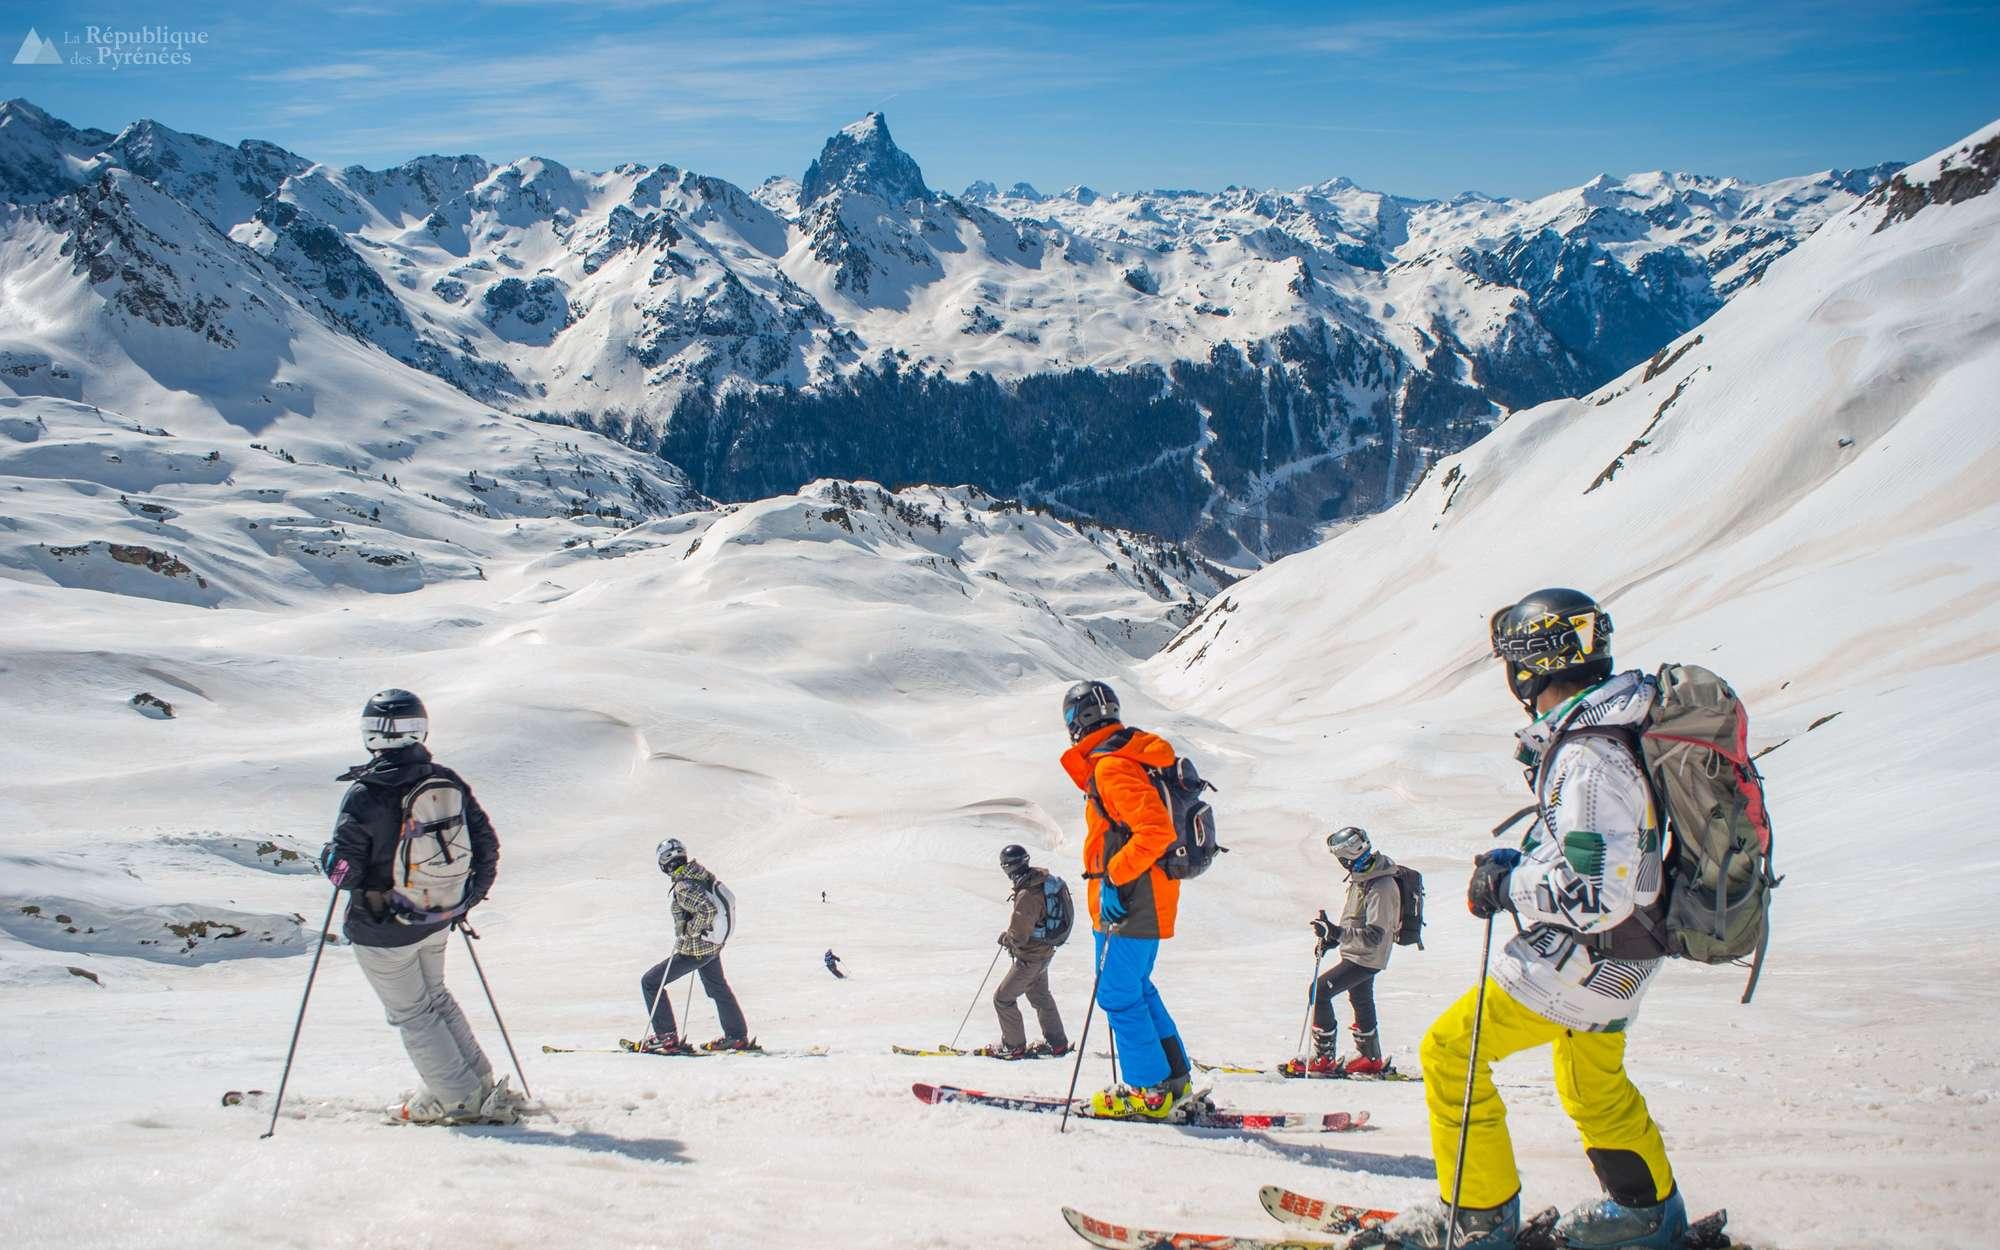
{"x": 36, "y": 50}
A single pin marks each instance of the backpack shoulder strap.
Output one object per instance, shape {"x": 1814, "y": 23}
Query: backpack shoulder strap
{"x": 1117, "y": 830}
{"x": 1098, "y": 754}
{"x": 1115, "y": 743}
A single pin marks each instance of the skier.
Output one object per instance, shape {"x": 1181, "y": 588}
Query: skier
{"x": 403, "y": 807}
{"x": 833, "y": 964}
{"x": 1127, "y": 827}
{"x": 1029, "y": 974}
{"x": 704, "y": 914}
{"x": 1365, "y": 937}
{"x": 1586, "y": 884}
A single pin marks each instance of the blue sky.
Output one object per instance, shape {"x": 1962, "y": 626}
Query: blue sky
{"x": 1509, "y": 98}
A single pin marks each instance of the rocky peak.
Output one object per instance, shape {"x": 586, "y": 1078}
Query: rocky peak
{"x": 40, "y": 156}
{"x": 863, "y": 158}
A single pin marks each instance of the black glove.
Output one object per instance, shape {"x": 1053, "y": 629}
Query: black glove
{"x": 1487, "y": 892}
{"x": 331, "y": 865}
{"x": 1327, "y": 932}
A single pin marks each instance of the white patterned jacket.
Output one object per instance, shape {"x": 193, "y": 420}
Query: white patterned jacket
{"x": 1590, "y": 865}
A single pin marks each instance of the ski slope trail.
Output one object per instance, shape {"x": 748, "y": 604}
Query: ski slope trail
{"x": 826, "y": 692}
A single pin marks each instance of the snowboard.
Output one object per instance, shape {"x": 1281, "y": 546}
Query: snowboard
{"x": 1207, "y": 1116}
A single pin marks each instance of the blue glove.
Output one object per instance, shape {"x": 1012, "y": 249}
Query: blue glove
{"x": 1487, "y": 893}
{"x": 1109, "y": 904}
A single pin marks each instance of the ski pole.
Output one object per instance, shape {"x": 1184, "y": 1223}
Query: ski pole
{"x": 1312, "y": 1001}
{"x": 1083, "y": 1043}
{"x": 658, "y": 990}
{"x": 687, "y": 1002}
{"x": 339, "y": 874}
{"x": 1471, "y": 1072}
{"x": 953, "y": 1044}
{"x": 467, "y": 932}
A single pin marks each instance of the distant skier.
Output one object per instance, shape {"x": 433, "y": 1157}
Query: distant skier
{"x": 1586, "y": 883}
{"x": 1127, "y": 828}
{"x": 704, "y": 913}
{"x": 1365, "y": 936}
{"x": 1031, "y": 937}
{"x": 416, "y": 852}
{"x": 833, "y": 964}
{"x": 822, "y": 896}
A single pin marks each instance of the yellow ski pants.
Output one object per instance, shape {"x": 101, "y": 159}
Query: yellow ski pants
{"x": 1609, "y": 1111}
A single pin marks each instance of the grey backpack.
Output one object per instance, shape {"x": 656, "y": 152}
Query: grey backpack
{"x": 1058, "y": 912}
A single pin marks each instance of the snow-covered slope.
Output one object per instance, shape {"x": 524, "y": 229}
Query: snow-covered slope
{"x": 1802, "y": 497}
{"x": 1242, "y": 366}
{"x": 856, "y": 692}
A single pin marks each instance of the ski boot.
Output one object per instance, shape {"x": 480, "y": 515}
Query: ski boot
{"x": 721, "y": 1044}
{"x": 1610, "y": 1225}
{"x": 1164, "y": 1101}
{"x": 502, "y": 1105}
{"x": 1001, "y": 1050}
{"x": 1369, "y": 1062}
{"x": 1422, "y": 1227}
{"x": 424, "y": 1107}
{"x": 664, "y": 1044}
{"x": 1324, "y": 1061}
{"x": 1049, "y": 1050}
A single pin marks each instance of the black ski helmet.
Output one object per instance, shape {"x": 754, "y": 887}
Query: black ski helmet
{"x": 392, "y": 719}
{"x": 671, "y": 855}
{"x": 1552, "y": 633}
{"x": 1014, "y": 862}
{"x": 1089, "y": 705}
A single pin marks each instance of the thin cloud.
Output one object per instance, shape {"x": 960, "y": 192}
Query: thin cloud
{"x": 321, "y": 73}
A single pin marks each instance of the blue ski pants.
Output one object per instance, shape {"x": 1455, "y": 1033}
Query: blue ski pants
{"x": 1139, "y": 1021}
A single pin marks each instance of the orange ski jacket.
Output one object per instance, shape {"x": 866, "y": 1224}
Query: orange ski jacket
{"x": 1132, "y": 801}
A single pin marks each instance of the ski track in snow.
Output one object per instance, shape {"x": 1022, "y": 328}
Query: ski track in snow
{"x": 856, "y": 713}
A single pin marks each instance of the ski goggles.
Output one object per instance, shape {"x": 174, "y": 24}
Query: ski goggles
{"x": 1547, "y": 636}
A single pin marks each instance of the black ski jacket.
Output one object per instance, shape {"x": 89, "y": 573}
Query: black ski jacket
{"x": 371, "y": 818}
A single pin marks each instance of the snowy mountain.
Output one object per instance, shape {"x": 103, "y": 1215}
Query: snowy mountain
{"x": 1239, "y": 367}
{"x": 851, "y": 694}
{"x": 180, "y": 422}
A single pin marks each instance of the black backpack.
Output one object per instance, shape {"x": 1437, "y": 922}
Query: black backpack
{"x": 1410, "y": 884}
{"x": 1180, "y": 785}
{"x": 1058, "y": 913}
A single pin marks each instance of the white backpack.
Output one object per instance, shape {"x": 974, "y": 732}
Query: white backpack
{"x": 433, "y": 861}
